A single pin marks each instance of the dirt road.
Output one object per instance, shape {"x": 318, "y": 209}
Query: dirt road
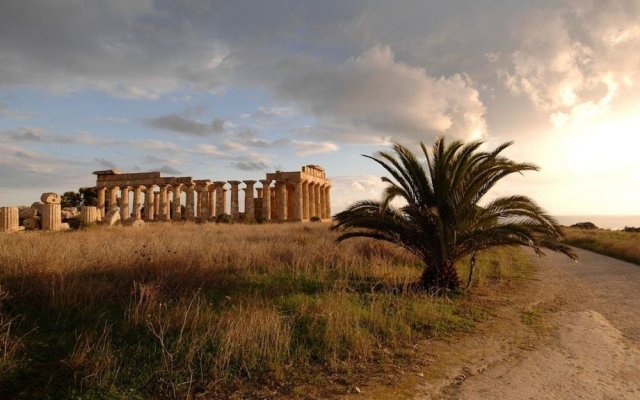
{"x": 579, "y": 338}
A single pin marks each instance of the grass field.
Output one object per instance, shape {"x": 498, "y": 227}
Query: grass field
{"x": 177, "y": 311}
{"x": 618, "y": 244}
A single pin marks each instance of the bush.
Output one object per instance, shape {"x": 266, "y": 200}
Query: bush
{"x": 631, "y": 229}
{"x": 223, "y": 219}
{"x": 585, "y": 225}
{"x": 315, "y": 219}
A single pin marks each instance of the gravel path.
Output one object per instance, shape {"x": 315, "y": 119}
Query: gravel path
{"x": 587, "y": 348}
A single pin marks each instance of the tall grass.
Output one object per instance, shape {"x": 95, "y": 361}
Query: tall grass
{"x": 185, "y": 310}
{"x": 618, "y": 244}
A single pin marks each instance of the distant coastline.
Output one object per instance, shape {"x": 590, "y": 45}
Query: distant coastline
{"x": 601, "y": 221}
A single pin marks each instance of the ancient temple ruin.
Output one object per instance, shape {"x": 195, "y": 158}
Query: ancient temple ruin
{"x": 294, "y": 196}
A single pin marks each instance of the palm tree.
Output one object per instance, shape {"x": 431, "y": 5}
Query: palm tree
{"x": 441, "y": 220}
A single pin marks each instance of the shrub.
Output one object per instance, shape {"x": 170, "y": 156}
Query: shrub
{"x": 224, "y": 219}
{"x": 585, "y": 225}
{"x": 315, "y": 218}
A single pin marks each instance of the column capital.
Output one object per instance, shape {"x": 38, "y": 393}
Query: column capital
{"x": 266, "y": 182}
{"x": 219, "y": 183}
{"x": 202, "y": 187}
{"x": 234, "y": 183}
{"x": 249, "y": 182}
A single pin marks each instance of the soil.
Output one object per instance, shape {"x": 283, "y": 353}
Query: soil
{"x": 572, "y": 332}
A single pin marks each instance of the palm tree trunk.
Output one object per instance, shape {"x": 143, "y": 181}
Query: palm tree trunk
{"x": 444, "y": 277}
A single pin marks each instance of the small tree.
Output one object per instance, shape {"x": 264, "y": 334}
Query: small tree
{"x": 441, "y": 220}
{"x": 89, "y": 196}
{"x": 71, "y": 199}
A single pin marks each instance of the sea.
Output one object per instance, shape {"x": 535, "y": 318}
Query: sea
{"x": 613, "y": 222}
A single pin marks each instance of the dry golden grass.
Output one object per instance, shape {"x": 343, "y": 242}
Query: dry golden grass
{"x": 618, "y": 244}
{"x": 176, "y": 311}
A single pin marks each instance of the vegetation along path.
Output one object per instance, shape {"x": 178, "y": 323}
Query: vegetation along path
{"x": 585, "y": 345}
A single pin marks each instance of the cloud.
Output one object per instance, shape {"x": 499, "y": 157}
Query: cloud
{"x": 180, "y": 124}
{"x": 374, "y": 93}
{"x": 306, "y": 148}
{"x": 271, "y": 112}
{"x": 583, "y": 60}
{"x": 250, "y": 165}
{"x": 119, "y": 47}
{"x": 22, "y": 170}
{"x": 41, "y": 135}
{"x": 167, "y": 169}
{"x": 207, "y": 149}
{"x": 351, "y": 188}
{"x": 104, "y": 163}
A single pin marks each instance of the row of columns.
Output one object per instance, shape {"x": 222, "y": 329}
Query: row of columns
{"x": 203, "y": 201}
{"x": 296, "y": 201}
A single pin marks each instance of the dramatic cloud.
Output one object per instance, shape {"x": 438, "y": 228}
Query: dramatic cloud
{"x": 120, "y": 47}
{"x": 374, "y": 93}
{"x": 180, "y": 124}
{"x": 585, "y": 58}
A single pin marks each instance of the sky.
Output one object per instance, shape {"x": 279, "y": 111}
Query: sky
{"x": 226, "y": 90}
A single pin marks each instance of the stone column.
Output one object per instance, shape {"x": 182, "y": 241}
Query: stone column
{"x": 113, "y": 198}
{"x": 188, "y": 209}
{"x": 318, "y": 199}
{"x": 281, "y": 194}
{"x": 149, "y": 200}
{"x": 305, "y": 200}
{"x": 211, "y": 203}
{"x": 156, "y": 205}
{"x": 327, "y": 197}
{"x": 137, "y": 202}
{"x": 203, "y": 201}
{"x": 249, "y": 212}
{"x": 101, "y": 201}
{"x": 9, "y": 219}
{"x": 51, "y": 212}
{"x": 259, "y": 192}
{"x": 312, "y": 200}
{"x": 124, "y": 203}
{"x": 297, "y": 202}
{"x": 177, "y": 209}
{"x": 220, "y": 198}
{"x": 266, "y": 199}
{"x": 163, "y": 215}
{"x": 235, "y": 206}
{"x": 88, "y": 214}
{"x": 321, "y": 197}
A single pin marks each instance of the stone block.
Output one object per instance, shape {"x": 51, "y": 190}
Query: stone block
{"x": 37, "y": 206}
{"x": 32, "y": 223}
{"x": 135, "y": 223}
{"x": 50, "y": 198}
{"x": 69, "y": 213}
{"x": 89, "y": 214}
{"x": 51, "y": 217}
{"x": 9, "y": 221}
{"x": 112, "y": 217}
{"x": 26, "y": 212}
